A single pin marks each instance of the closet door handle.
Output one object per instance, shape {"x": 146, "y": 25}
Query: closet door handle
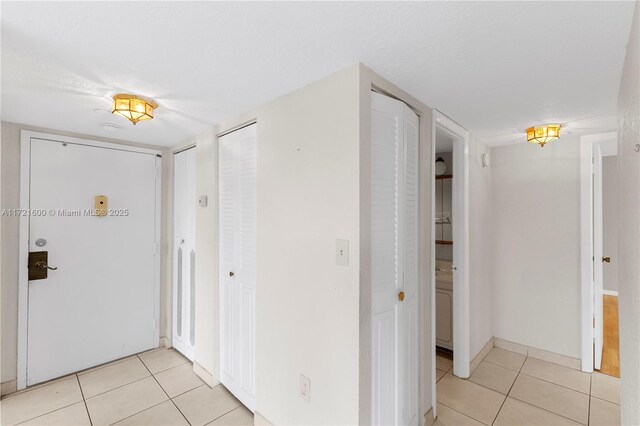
{"x": 401, "y": 296}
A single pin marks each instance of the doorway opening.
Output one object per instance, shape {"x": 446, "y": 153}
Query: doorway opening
{"x": 95, "y": 238}
{"x": 237, "y": 176}
{"x": 395, "y": 259}
{"x": 450, "y": 229}
{"x": 444, "y": 248}
{"x": 599, "y": 254}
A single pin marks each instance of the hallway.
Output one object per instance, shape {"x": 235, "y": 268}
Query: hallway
{"x": 511, "y": 389}
{"x": 157, "y": 387}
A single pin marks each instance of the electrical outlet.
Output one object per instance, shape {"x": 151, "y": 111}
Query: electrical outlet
{"x": 304, "y": 390}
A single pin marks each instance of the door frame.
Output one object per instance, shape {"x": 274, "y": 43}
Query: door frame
{"x": 224, "y": 131}
{"x": 460, "y": 209}
{"x": 23, "y": 248}
{"x": 608, "y": 143}
{"x": 170, "y": 236}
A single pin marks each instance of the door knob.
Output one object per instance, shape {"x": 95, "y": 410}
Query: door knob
{"x": 401, "y": 296}
{"x": 606, "y": 259}
{"x": 231, "y": 274}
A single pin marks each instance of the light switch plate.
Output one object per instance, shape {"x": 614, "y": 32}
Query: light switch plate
{"x": 304, "y": 390}
{"x": 342, "y": 252}
{"x": 203, "y": 200}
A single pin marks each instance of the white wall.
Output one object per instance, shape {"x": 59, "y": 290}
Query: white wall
{"x": 206, "y": 348}
{"x": 535, "y": 245}
{"x": 10, "y": 181}
{"x": 480, "y": 238}
{"x": 308, "y": 180}
{"x": 311, "y": 315}
{"x": 307, "y": 308}
{"x": 629, "y": 228}
{"x": 610, "y": 220}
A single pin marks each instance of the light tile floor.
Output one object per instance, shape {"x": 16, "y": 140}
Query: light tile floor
{"x": 511, "y": 389}
{"x": 157, "y": 387}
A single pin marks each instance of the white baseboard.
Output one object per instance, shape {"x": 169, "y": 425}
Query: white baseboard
{"x": 509, "y": 346}
{"x": 481, "y": 355}
{"x": 610, "y": 293}
{"x": 429, "y": 420}
{"x": 207, "y": 377}
{"x": 259, "y": 420}
{"x": 8, "y": 387}
{"x": 542, "y": 354}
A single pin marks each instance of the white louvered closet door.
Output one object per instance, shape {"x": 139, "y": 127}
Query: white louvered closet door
{"x": 394, "y": 249}
{"x": 237, "y": 263}
{"x": 184, "y": 256}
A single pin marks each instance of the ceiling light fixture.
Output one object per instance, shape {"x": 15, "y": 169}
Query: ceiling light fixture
{"x": 133, "y": 108}
{"x": 543, "y": 134}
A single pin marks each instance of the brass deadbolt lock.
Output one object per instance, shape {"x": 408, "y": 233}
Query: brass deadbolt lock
{"x": 38, "y": 265}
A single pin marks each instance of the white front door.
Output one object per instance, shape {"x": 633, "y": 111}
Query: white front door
{"x": 101, "y": 302}
{"x": 597, "y": 256}
{"x": 237, "y": 262}
{"x": 184, "y": 254}
{"x": 394, "y": 250}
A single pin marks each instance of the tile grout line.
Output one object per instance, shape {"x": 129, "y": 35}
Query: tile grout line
{"x": 137, "y": 380}
{"x": 167, "y": 369}
{"x": 548, "y": 411}
{"x": 84, "y": 400}
{"x": 119, "y": 386}
{"x": 562, "y": 386}
{"x": 135, "y": 414}
{"x": 48, "y": 412}
{"x": 187, "y": 391}
{"x": 526, "y": 402}
{"x": 605, "y": 400}
{"x": 509, "y": 391}
{"x": 222, "y": 415}
{"x": 533, "y": 405}
{"x": 460, "y": 412}
{"x": 52, "y": 411}
{"x": 543, "y": 380}
{"x": 165, "y": 392}
{"x": 37, "y": 386}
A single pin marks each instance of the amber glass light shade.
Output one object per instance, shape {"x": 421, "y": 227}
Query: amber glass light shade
{"x": 543, "y": 134}
{"x": 133, "y": 108}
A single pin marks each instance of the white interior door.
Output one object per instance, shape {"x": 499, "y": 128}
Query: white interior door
{"x": 237, "y": 262}
{"x": 597, "y": 256}
{"x": 101, "y": 302}
{"x": 394, "y": 250}
{"x": 184, "y": 255}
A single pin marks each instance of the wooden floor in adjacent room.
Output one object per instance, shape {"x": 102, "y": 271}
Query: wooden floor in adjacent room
{"x": 611, "y": 342}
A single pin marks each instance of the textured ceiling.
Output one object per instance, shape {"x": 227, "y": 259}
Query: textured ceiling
{"x": 494, "y": 67}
